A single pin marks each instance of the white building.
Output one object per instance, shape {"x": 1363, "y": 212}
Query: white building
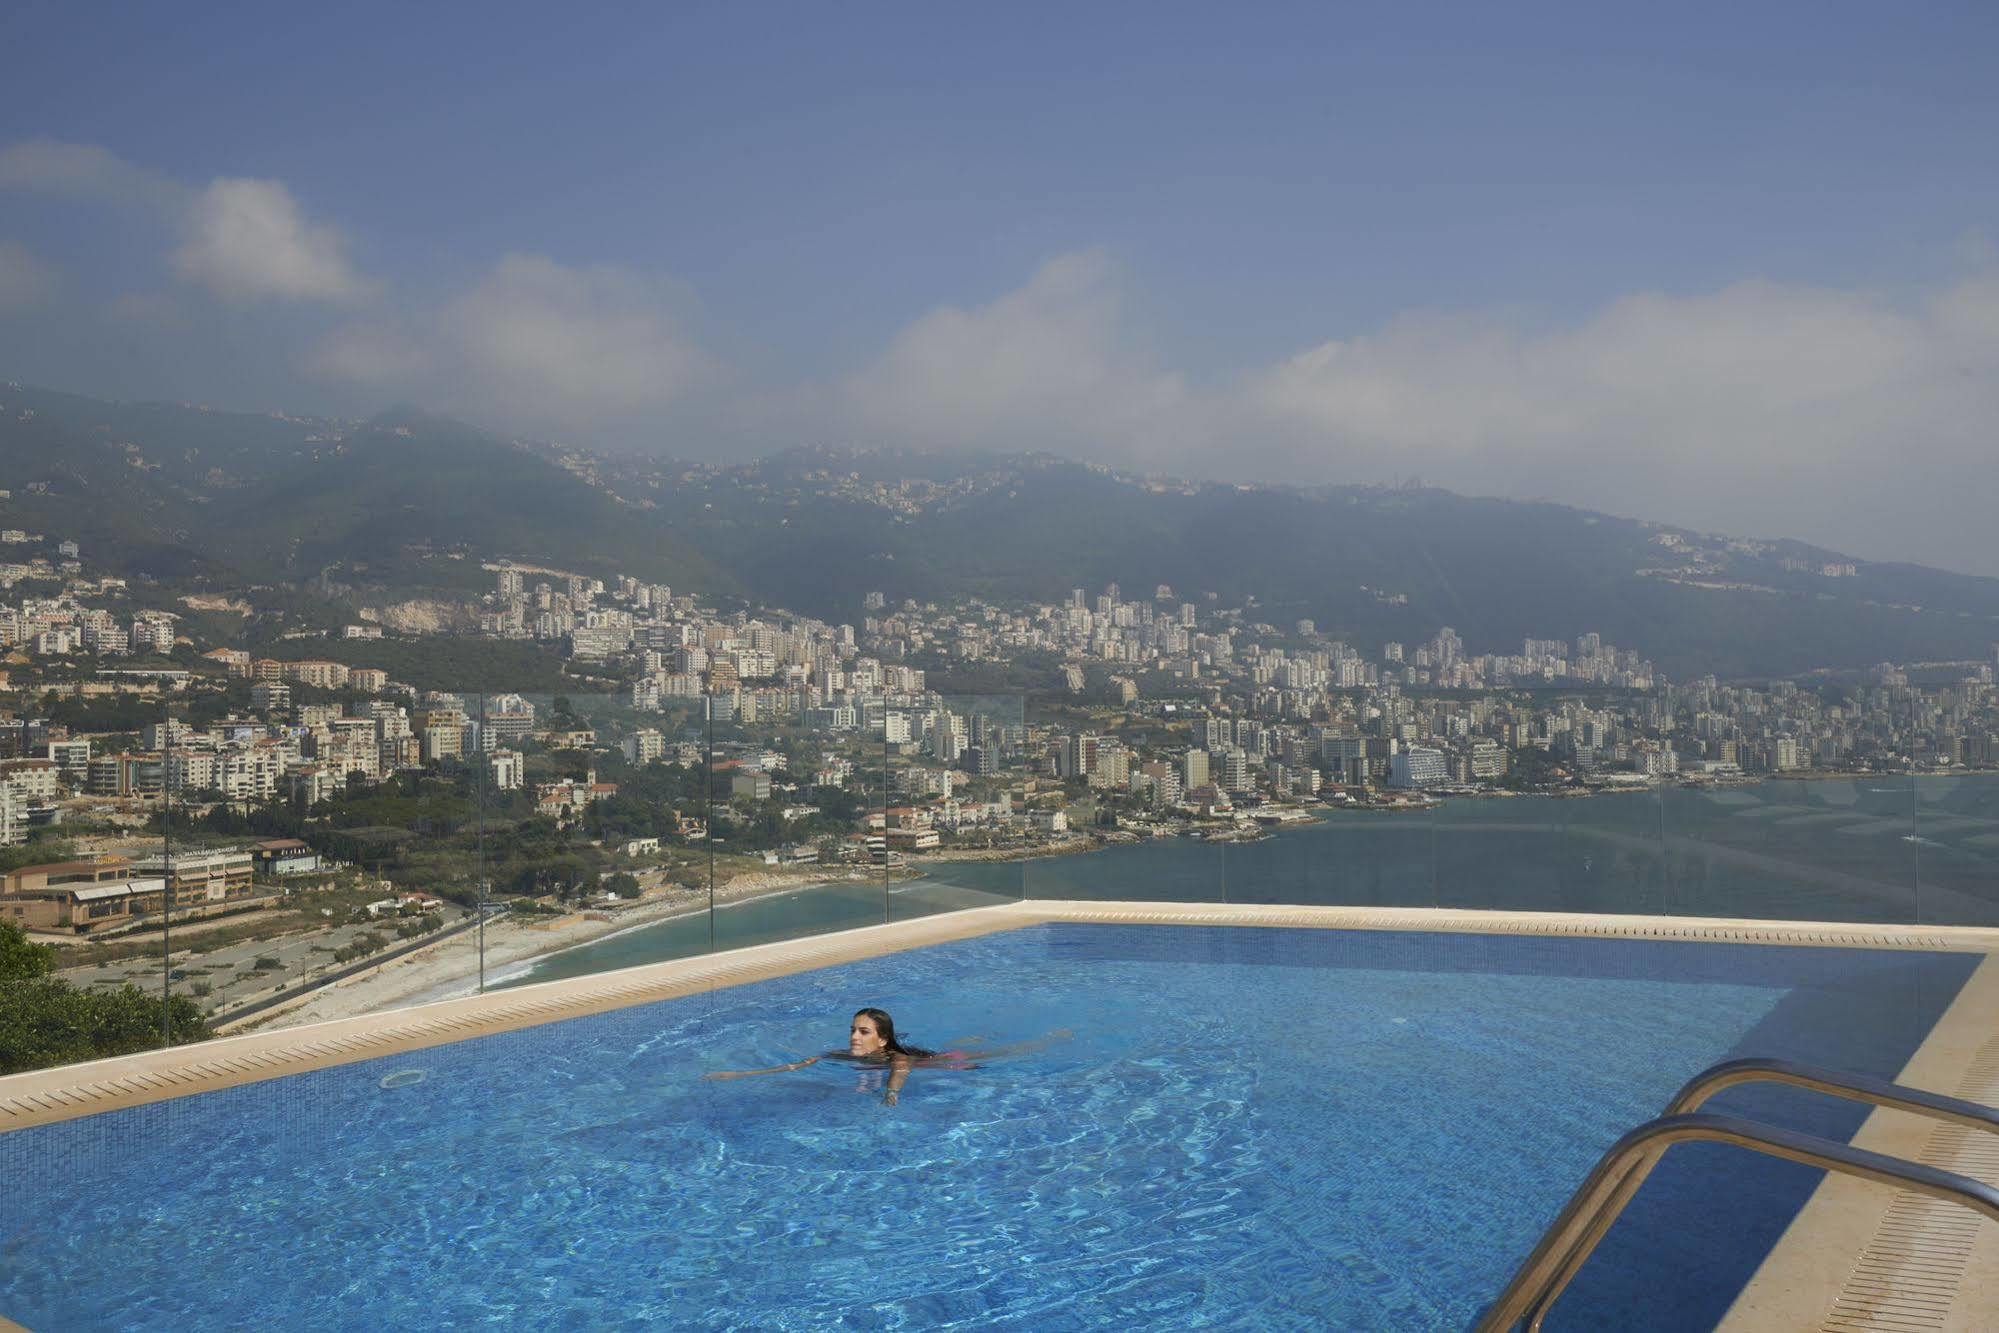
{"x": 644, "y": 745}
{"x": 1418, "y": 766}
{"x": 508, "y": 770}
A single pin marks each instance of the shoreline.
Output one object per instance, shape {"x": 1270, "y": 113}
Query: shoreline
{"x": 1082, "y": 843}
{"x": 450, "y": 968}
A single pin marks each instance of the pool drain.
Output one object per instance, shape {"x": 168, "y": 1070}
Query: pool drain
{"x": 404, "y": 1078}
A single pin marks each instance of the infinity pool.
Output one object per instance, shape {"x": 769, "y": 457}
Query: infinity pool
{"x": 1243, "y": 1128}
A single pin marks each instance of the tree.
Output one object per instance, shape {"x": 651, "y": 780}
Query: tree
{"x": 21, "y": 959}
{"x": 46, "y": 1021}
{"x": 40, "y": 849}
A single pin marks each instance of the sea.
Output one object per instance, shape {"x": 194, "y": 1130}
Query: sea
{"x": 1899, "y": 849}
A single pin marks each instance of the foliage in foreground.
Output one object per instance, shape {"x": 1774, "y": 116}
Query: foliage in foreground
{"x": 46, "y": 1021}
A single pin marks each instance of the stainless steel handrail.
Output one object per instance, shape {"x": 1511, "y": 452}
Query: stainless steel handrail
{"x": 1590, "y": 1209}
{"x": 1732, "y": 1073}
{"x": 1838, "y": 1083}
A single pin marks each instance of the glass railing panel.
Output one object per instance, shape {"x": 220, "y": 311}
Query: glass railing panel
{"x": 1352, "y": 857}
{"x": 1109, "y": 811}
{"x": 1507, "y": 853}
{"x": 595, "y": 851}
{"x": 292, "y": 859}
{"x": 1830, "y": 849}
{"x": 1616, "y": 855}
{"x": 1957, "y": 849}
{"x": 958, "y": 828}
{"x": 1167, "y": 868}
{"x": 1592, "y": 846}
{"x": 933, "y": 886}
{"x": 756, "y": 915}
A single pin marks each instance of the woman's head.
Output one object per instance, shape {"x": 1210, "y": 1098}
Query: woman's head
{"x": 873, "y": 1033}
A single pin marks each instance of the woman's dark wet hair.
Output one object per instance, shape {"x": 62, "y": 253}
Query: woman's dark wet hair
{"x": 886, "y": 1026}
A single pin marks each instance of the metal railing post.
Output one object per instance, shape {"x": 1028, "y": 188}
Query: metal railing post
{"x": 1570, "y": 1239}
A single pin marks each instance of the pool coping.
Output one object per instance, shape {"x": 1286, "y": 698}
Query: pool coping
{"x": 45, "y": 1096}
{"x": 1831, "y": 1236}
{"x": 1862, "y": 1256}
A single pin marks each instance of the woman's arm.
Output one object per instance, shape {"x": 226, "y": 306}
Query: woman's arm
{"x": 774, "y": 1069}
{"x": 898, "y": 1075}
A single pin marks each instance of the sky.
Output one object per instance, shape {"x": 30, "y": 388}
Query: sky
{"x": 1730, "y": 267}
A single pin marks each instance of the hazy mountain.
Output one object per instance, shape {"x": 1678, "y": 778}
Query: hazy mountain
{"x": 816, "y": 530}
{"x": 178, "y": 491}
{"x": 181, "y": 491}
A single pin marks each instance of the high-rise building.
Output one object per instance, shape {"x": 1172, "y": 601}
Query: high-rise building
{"x": 644, "y": 745}
{"x": 1487, "y": 760}
{"x": 947, "y": 738}
{"x": 1418, "y": 766}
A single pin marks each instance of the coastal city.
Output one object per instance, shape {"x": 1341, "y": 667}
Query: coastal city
{"x": 697, "y": 667}
{"x": 915, "y": 733}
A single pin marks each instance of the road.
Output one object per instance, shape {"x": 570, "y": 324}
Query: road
{"x": 231, "y": 972}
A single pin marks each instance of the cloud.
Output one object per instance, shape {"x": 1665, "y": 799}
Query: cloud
{"x": 242, "y": 239}
{"x": 1052, "y": 365}
{"x": 1758, "y": 408}
{"x": 1845, "y": 417}
{"x": 1854, "y": 418}
{"x": 380, "y": 355}
{"x": 247, "y": 240}
{"x": 1751, "y": 364}
{"x": 25, "y": 280}
{"x": 540, "y": 344}
{"x": 82, "y": 170}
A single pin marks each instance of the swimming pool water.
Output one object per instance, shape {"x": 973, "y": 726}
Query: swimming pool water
{"x": 1244, "y": 1128}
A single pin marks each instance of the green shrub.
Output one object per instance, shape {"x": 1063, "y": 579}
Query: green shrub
{"x": 46, "y": 1021}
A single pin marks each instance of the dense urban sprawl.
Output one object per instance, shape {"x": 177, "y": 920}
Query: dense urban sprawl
{"x": 916, "y": 730}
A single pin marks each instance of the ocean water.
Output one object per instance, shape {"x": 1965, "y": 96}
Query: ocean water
{"x": 1226, "y": 1128}
{"x": 1889, "y": 849}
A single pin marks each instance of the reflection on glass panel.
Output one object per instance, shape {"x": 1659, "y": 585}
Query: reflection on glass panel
{"x": 1957, "y": 849}
{"x": 1368, "y": 858}
{"x": 1616, "y": 860}
{"x": 959, "y": 822}
{"x": 595, "y": 845}
{"x": 1514, "y": 854}
{"x": 1128, "y": 803}
{"x": 1165, "y": 869}
{"x": 1835, "y": 849}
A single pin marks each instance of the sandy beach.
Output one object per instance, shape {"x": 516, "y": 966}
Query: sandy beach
{"x": 450, "y": 968}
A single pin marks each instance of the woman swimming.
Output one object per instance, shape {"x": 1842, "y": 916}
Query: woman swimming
{"x": 871, "y": 1040}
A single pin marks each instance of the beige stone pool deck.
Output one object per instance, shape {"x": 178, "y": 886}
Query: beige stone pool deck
{"x": 1857, "y": 1257}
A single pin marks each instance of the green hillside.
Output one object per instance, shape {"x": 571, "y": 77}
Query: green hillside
{"x": 354, "y": 513}
{"x": 180, "y": 492}
{"x": 1370, "y": 563}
